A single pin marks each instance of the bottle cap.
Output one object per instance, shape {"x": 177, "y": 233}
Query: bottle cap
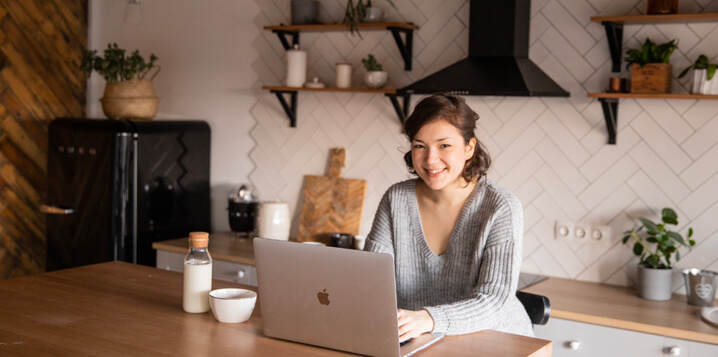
{"x": 198, "y": 239}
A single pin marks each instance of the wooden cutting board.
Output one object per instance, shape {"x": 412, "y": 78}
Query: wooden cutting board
{"x": 331, "y": 204}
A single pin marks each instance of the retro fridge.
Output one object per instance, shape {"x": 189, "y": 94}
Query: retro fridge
{"x": 115, "y": 187}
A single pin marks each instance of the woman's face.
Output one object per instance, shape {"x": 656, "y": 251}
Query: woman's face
{"x": 439, "y": 154}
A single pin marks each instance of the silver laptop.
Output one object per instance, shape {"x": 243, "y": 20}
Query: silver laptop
{"x": 331, "y": 297}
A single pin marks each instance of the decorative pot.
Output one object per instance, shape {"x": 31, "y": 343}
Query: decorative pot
{"x": 375, "y": 79}
{"x": 132, "y": 99}
{"x": 701, "y": 84}
{"x": 374, "y": 14}
{"x": 651, "y": 78}
{"x": 304, "y": 12}
{"x": 662, "y": 7}
{"x": 654, "y": 284}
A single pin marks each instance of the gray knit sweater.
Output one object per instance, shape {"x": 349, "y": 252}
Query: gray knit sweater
{"x": 472, "y": 286}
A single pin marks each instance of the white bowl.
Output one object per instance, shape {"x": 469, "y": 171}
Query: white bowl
{"x": 375, "y": 79}
{"x": 232, "y": 305}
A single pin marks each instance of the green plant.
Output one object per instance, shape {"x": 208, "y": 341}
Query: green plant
{"x": 651, "y": 53}
{"x": 355, "y": 13}
{"x": 371, "y": 64}
{"x": 702, "y": 63}
{"x": 115, "y": 66}
{"x": 667, "y": 242}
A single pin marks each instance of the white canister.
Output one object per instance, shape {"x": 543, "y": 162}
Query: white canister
{"x": 344, "y": 75}
{"x": 273, "y": 220}
{"x": 296, "y": 67}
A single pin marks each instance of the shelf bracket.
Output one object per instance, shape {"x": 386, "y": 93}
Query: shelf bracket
{"x": 291, "y": 110}
{"x": 614, "y": 34}
{"x": 610, "y": 113}
{"x": 405, "y": 47}
{"x": 282, "y": 34}
{"x": 401, "y": 111}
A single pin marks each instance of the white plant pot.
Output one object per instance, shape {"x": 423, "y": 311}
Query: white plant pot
{"x": 654, "y": 284}
{"x": 701, "y": 84}
{"x": 375, "y": 79}
{"x": 374, "y": 14}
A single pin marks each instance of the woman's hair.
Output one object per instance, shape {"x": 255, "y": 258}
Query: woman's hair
{"x": 455, "y": 111}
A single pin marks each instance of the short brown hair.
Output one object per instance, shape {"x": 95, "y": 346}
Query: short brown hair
{"x": 454, "y": 110}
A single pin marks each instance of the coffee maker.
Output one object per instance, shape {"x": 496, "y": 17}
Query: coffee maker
{"x": 243, "y": 207}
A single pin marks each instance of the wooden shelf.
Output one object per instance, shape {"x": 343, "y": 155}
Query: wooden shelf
{"x": 330, "y": 89}
{"x": 291, "y": 108}
{"x": 652, "y": 96}
{"x": 343, "y": 27}
{"x": 405, "y": 44}
{"x": 609, "y": 104}
{"x": 657, "y": 19}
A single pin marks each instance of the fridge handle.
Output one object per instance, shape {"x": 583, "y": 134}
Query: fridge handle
{"x": 56, "y": 210}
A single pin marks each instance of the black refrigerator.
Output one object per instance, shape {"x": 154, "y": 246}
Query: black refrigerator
{"x": 115, "y": 187}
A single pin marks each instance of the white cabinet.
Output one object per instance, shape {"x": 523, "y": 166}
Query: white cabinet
{"x": 572, "y": 338}
{"x": 222, "y": 270}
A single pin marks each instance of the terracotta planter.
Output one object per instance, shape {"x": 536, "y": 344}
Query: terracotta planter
{"x": 662, "y": 7}
{"x": 651, "y": 78}
{"x": 654, "y": 284}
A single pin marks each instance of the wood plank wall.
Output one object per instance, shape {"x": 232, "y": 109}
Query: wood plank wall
{"x": 41, "y": 47}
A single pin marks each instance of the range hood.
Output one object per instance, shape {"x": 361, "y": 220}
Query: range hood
{"x": 498, "y": 61}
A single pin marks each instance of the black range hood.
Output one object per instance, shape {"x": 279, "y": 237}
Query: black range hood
{"x": 498, "y": 61}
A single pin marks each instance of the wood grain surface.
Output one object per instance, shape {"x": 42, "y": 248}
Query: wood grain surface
{"x": 331, "y": 204}
{"x": 123, "y": 309}
{"x": 41, "y": 47}
{"x": 620, "y": 307}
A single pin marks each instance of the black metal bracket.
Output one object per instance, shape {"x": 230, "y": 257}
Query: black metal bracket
{"x": 614, "y": 34}
{"x": 401, "y": 111}
{"x": 291, "y": 110}
{"x": 610, "y": 113}
{"x": 282, "y": 34}
{"x": 405, "y": 47}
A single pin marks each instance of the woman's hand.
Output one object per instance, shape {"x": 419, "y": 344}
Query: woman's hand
{"x": 414, "y": 323}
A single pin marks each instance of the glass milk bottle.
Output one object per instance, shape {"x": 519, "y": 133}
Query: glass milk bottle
{"x": 197, "y": 274}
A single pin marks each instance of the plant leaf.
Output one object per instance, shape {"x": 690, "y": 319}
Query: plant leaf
{"x": 625, "y": 239}
{"x": 668, "y": 212}
{"x": 711, "y": 68}
{"x": 637, "y": 249}
{"x": 677, "y": 237}
{"x": 678, "y": 255}
{"x": 690, "y": 232}
{"x": 651, "y": 228}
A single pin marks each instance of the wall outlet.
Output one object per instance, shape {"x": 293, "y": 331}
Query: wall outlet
{"x": 582, "y": 232}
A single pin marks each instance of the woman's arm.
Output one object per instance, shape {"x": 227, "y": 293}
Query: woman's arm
{"x": 380, "y": 238}
{"x": 497, "y": 280}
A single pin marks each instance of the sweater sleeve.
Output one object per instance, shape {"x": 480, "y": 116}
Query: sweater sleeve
{"x": 497, "y": 279}
{"x": 380, "y": 239}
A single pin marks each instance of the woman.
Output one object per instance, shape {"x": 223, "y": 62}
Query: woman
{"x": 454, "y": 235}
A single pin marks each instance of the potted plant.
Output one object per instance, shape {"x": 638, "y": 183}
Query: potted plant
{"x": 374, "y": 77}
{"x": 128, "y": 93}
{"x": 650, "y": 70}
{"x": 362, "y": 11}
{"x": 704, "y": 79}
{"x": 654, "y": 267}
{"x": 662, "y": 6}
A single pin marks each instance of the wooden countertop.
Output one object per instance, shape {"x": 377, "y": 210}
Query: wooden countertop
{"x": 621, "y": 307}
{"x": 119, "y": 308}
{"x": 222, "y": 246}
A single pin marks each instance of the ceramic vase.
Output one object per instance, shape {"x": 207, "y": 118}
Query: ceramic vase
{"x": 375, "y": 79}
{"x": 654, "y": 284}
{"x": 701, "y": 84}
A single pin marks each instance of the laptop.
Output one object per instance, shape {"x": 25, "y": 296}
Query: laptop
{"x": 331, "y": 297}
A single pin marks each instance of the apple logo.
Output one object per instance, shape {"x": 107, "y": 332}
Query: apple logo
{"x": 323, "y": 297}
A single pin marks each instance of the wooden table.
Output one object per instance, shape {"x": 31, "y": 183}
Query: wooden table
{"x": 124, "y": 309}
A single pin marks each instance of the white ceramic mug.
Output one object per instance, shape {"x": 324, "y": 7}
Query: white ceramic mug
{"x": 273, "y": 220}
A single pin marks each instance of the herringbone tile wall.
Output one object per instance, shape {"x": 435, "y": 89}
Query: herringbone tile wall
{"x": 551, "y": 152}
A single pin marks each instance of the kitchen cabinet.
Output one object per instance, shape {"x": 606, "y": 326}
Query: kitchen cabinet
{"x": 614, "y": 35}
{"x": 573, "y": 338}
{"x": 404, "y": 45}
{"x": 222, "y": 270}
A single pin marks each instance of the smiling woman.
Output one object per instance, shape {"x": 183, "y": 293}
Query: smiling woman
{"x": 455, "y": 236}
